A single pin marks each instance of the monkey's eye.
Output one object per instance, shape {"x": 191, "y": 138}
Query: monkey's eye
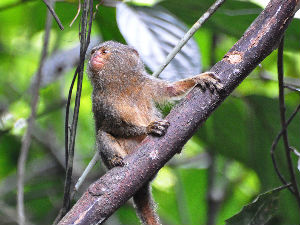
{"x": 104, "y": 51}
{"x": 93, "y": 51}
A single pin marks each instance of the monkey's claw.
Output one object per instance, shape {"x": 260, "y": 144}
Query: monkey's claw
{"x": 117, "y": 161}
{"x": 210, "y": 81}
{"x": 158, "y": 128}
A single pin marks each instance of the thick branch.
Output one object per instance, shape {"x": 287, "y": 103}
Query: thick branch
{"x": 113, "y": 189}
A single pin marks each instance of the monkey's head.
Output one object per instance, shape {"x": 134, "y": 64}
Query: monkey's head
{"x": 110, "y": 60}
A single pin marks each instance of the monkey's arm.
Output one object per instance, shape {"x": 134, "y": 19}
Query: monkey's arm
{"x": 207, "y": 80}
{"x": 127, "y": 120}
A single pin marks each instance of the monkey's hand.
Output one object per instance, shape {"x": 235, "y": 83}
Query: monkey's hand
{"x": 158, "y": 128}
{"x": 208, "y": 80}
{"x": 116, "y": 160}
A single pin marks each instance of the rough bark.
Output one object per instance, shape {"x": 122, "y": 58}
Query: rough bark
{"x": 114, "y": 188}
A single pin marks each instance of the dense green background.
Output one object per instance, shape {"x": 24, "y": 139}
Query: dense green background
{"x": 229, "y": 156}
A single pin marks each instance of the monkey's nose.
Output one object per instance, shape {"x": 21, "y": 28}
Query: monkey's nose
{"x": 96, "y": 62}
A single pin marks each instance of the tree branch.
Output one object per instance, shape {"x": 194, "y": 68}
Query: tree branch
{"x": 26, "y": 141}
{"x": 114, "y": 188}
{"x": 50, "y": 8}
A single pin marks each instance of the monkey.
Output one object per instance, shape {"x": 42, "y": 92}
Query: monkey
{"x": 123, "y": 103}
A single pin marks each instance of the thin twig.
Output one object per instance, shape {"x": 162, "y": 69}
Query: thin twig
{"x": 283, "y": 120}
{"x": 28, "y": 133}
{"x": 288, "y": 81}
{"x": 97, "y": 8}
{"x": 275, "y": 142}
{"x": 188, "y": 35}
{"x": 292, "y": 88}
{"x": 83, "y": 47}
{"x": 88, "y": 169}
{"x": 10, "y": 213}
{"x": 78, "y": 11}
{"x": 50, "y": 8}
{"x": 35, "y": 169}
{"x": 84, "y": 42}
{"x": 67, "y": 117}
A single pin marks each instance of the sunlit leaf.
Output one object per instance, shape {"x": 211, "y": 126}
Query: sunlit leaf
{"x": 154, "y": 32}
{"x": 233, "y": 18}
{"x": 260, "y": 211}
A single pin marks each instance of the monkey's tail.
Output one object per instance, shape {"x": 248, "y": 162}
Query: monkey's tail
{"x": 145, "y": 206}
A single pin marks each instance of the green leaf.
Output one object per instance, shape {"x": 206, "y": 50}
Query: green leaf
{"x": 233, "y": 17}
{"x": 260, "y": 211}
{"x": 160, "y": 32}
{"x": 107, "y": 24}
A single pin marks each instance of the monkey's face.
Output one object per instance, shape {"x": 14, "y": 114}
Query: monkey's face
{"x": 112, "y": 60}
{"x": 99, "y": 57}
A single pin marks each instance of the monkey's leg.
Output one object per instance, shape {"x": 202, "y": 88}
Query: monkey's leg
{"x": 110, "y": 150}
{"x": 145, "y": 206}
{"x": 207, "y": 80}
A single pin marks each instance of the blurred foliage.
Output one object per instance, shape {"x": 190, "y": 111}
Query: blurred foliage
{"x": 227, "y": 162}
{"x": 257, "y": 212}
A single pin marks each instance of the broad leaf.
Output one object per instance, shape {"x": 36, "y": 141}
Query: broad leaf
{"x": 154, "y": 32}
{"x": 260, "y": 211}
{"x": 232, "y": 18}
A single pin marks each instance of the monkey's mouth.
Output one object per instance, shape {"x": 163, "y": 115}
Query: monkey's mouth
{"x": 96, "y": 63}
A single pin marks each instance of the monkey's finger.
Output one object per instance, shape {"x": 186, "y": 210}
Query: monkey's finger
{"x": 158, "y": 133}
{"x": 159, "y": 127}
{"x": 212, "y": 86}
{"x": 210, "y": 76}
{"x": 217, "y": 85}
{"x": 161, "y": 123}
{"x": 202, "y": 85}
{"x": 117, "y": 161}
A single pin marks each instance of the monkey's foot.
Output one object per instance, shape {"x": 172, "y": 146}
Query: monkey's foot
{"x": 210, "y": 81}
{"x": 158, "y": 128}
{"x": 117, "y": 160}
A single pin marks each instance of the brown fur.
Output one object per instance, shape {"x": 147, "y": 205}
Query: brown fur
{"x": 124, "y": 97}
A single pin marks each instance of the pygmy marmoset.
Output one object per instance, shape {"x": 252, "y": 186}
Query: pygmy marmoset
{"x": 124, "y": 97}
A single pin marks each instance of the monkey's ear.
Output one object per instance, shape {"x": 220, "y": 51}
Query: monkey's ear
{"x": 93, "y": 50}
{"x": 135, "y": 52}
